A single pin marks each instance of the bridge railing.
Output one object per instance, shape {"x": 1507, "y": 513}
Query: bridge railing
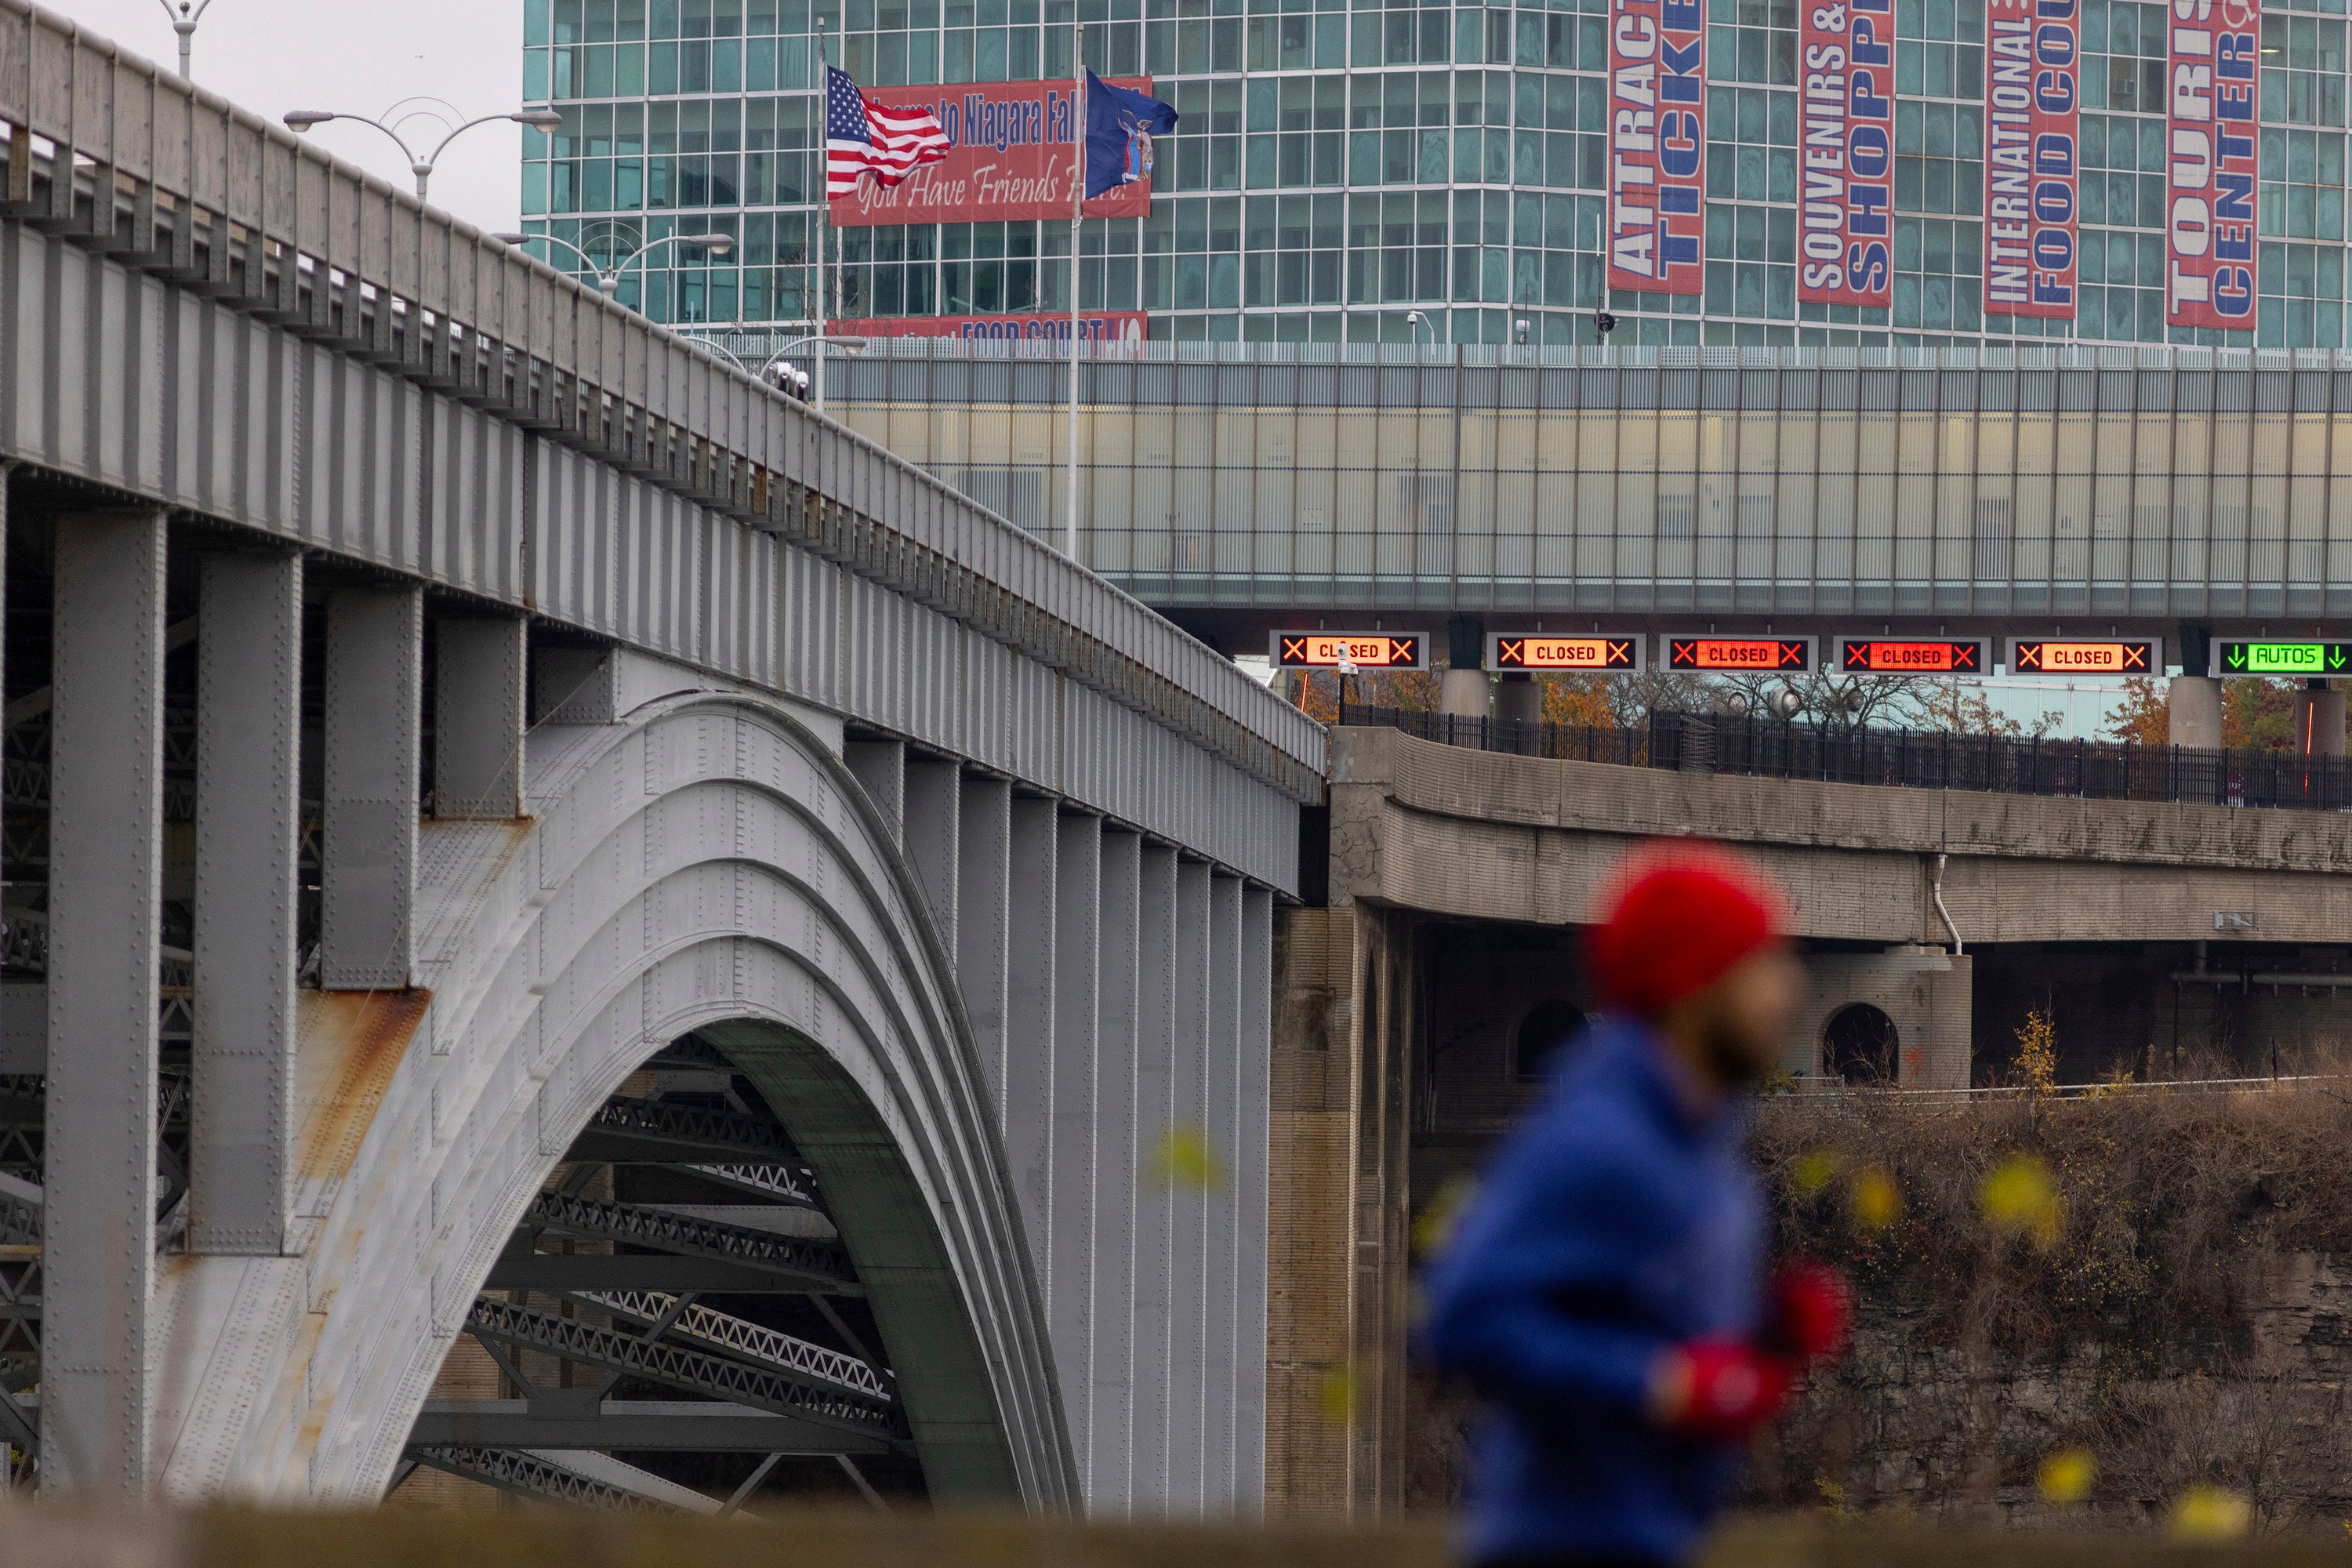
{"x": 2000, "y": 764}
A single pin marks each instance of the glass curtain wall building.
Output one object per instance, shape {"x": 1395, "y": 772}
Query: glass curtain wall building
{"x": 1340, "y": 165}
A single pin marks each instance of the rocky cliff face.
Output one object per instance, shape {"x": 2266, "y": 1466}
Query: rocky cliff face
{"x": 2160, "y": 1279}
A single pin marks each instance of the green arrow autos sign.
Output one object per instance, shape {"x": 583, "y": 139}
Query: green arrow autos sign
{"x": 2234, "y": 657}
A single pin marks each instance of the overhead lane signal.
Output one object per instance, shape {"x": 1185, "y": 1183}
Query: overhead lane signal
{"x": 1913, "y": 656}
{"x": 2086, "y": 656}
{"x": 2266, "y": 655}
{"x": 1708, "y": 654}
{"x": 1620, "y": 654}
{"x": 1365, "y": 651}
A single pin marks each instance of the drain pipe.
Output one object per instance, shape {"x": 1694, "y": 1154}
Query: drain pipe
{"x": 1936, "y": 886}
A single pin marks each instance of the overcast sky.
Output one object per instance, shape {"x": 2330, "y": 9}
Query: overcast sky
{"x": 358, "y": 56}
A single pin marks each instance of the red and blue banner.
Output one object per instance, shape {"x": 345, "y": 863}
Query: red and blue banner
{"x": 1657, "y": 146}
{"x": 2032, "y": 163}
{"x": 2211, "y": 163}
{"x": 1011, "y": 156}
{"x": 1846, "y": 74}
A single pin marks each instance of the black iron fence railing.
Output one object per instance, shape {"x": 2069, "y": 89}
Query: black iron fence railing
{"x": 1769, "y": 748}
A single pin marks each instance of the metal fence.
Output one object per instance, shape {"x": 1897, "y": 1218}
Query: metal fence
{"x": 1769, "y": 748}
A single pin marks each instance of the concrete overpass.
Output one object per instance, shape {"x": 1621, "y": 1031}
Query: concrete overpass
{"x": 513, "y": 826}
{"x": 1471, "y": 835}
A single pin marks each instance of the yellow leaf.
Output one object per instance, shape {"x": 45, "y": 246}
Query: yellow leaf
{"x": 1184, "y": 1159}
{"x": 1814, "y": 1170}
{"x": 2017, "y": 1195}
{"x": 2067, "y": 1476}
{"x": 1436, "y": 1220}
{"x": 2209, "y": 1513}
{"x": 1338, "y": 1395}
{"x": 1878, "y": 1201}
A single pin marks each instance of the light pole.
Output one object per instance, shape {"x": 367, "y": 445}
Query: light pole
{"x": 608, "y": 278}
{"x": 847, "y": 345}
{"x": 300, "y": 120}
{"x": 184, "y": 22}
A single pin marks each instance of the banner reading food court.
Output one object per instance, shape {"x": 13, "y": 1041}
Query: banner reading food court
{"x": 1846, "y": 71}
{"x": 1657, "y": 146}
{"x": 2209, "y": 171}
{"x": 2032, "y": 174}
{"x": 1010, "y": 159}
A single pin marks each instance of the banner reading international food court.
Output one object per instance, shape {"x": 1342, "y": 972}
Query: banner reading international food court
{"x": 2032, "y": 175}
{"x": 1657, "y": 145}
{"x": 1009, "y": 157}
{"x": 2209, "y": 175}
{"x": 1846, "y": 73}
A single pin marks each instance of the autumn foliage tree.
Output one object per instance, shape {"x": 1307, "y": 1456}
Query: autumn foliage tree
{"x": 2257, "y": 715}
{"x": 1408, "y": 691}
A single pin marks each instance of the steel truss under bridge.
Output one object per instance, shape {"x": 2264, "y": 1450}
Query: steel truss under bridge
{"x": 581, "y": 1333}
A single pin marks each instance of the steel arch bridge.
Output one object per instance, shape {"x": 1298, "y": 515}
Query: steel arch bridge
{"x": 520, "y": 836}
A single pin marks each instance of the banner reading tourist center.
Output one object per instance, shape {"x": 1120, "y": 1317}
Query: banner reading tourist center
{"x": 1010, "y": 159}
{"x": 1846, "y": 70}
{"x": 1657, "y": 145}
{"x": 2032, "y": 115}
{"x": 2210, "y": 128}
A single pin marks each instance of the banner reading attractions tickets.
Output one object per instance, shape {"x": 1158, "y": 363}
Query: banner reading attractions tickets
{"x": 2031, "y": 178}
{"x": 1657, "y": 145}
{"x": 2209, "y": 230}
{"x": 1846, "y": 73}
{"x": 1009, "y": 157}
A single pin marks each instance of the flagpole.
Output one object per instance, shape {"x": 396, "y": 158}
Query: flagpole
{"x": 1077, "y": 217}
{"x": 824, "y": 207}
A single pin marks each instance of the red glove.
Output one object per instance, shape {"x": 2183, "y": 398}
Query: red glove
{"x": 1718, "y": 1389}
{"x": 1807, "y": 1312}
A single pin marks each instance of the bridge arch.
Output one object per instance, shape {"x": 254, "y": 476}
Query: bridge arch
{"x": 706, "y": 866}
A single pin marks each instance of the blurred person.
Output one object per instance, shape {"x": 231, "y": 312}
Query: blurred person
{"x": 1605, "y": 1291}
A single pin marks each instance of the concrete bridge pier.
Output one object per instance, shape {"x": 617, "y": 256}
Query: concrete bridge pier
{"x": 1518, "y": 697}
{"x": 1462, "y": 694}
{"x": 2319, "y": 719}
{"x": 2195, "y": 710}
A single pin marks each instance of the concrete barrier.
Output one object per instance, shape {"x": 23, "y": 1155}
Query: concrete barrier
{"x": 536, "y": 1537}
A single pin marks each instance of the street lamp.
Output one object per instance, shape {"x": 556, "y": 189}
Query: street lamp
{"x": 608, "y": 278}
{"x": 184, "y": 22}
{"x": 300, "y": 120}
{"x": 847, "y": 346}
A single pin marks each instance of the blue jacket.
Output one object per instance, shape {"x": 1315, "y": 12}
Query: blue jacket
{"x": 1609, "y": 1227}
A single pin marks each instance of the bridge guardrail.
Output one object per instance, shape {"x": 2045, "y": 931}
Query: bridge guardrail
{"x": 121, "y": 155}
{"x": 2000, "y": 765}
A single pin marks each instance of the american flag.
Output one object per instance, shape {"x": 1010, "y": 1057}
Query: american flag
{"x": 863, "y": 137}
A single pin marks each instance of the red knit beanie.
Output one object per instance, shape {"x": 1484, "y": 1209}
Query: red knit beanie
{"x": 1672, "y": 918}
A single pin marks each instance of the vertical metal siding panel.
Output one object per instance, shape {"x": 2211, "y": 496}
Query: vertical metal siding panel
{"x": 1222, "y": 1349}
{"x": 411, "y": 499}
{"x": 66, "y": 436}
{"x": 368, "y": 444}
{"x": 677, "y": 555}
{"x": 763, "y": 554}
{"x": 692, "y": 527}
{"x": 600, "y": 492}
{"x": 1253, "y": 1188}
{"x": 222, "y": 374}
{"x": 629, "y": 555}
{"x": 506, "y": 521}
